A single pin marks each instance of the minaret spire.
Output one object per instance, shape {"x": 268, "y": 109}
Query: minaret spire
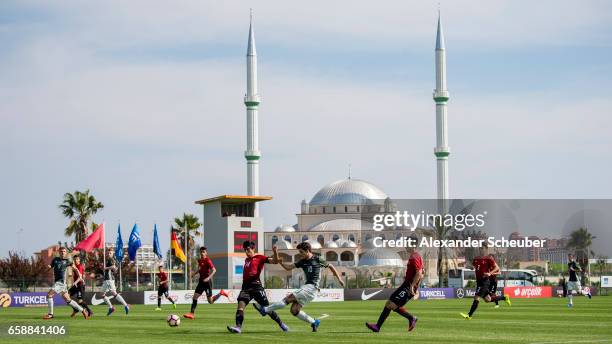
{"x": 441, "y": 96}
{"x": 251, "y": 100}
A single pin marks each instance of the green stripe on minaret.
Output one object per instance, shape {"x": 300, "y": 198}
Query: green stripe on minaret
{"x": 441, "y": 99}
{"x": 252, "y": 157}
{"x": 251, "y": 103}
{"x": 442, "y": 154}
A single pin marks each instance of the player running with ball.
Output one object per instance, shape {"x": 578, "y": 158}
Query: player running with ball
{"x": 484, "y": 266}
{"x": 403, "y": 294}
{"x": 311, "y": 265}
{"x": 60, "y": 266}
{"x": 574, "y": 286}
{"x": 206, "y": 270}
{"x": 252, "y": 287}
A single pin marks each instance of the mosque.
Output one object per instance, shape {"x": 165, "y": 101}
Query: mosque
{"x": 334, "y": 221}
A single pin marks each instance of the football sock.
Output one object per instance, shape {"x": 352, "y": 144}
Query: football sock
{"x": 107, "y": 300}
{"x": 275, "y": 306}
{"x": 84, "y": 305}
{"x": 194, "y": 304}
{"x": 76, "y": 306}
{"x": 120, "y": 299}
{"x": 159, "y": 301}
{"x": 497, "y": 301}
{"x": 401, "y": 311}
{"x": 474, "y": 306}
{"x": 216, "y": 297}
{"x": 170, "y": 299}
{"x": 275, "y": 317}
{"x": 50, "y": 304}
{"x": 383, "y": 316}
{"x": 305, "y": 317}
{"x": 570, "y": 298}
{"x": 239, "y": 318}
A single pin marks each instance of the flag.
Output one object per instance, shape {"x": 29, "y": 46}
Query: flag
{"x": 178, "y": 251}
{"x": 134, "y": 243}
{"x": 156, "y": 248}
{"x": 119, "y": 245}
{"x": 95, "y": 240}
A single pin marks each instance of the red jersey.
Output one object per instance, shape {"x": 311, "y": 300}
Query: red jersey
{"x": 483, "y": 265}
{"x": 81, "y": 269}
{"x": 252, "y": 269}
{"x": 415, "y": 264}
{"x": 205, "y": 266}
{"x": 162, "y": 276}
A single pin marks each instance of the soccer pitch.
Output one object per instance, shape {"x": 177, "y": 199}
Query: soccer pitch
{"x": 545, "y": 321}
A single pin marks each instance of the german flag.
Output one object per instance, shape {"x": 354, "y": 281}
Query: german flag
{"x": 176, "y": 248}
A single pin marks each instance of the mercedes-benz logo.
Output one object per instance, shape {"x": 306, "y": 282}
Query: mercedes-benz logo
{"x": 460, "y": 293}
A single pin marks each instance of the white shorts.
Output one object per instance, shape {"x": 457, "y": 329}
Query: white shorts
{"x": 59, "y": 288}
{"x": 109, "y": 285}
{"x": 576, "y": 286}
{"x": 305, "y": 294}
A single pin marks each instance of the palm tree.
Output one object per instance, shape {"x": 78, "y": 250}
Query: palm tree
{"x": 79, "y": 207}
{"x": 187, "y": 226}
{"x": 581, "y": 240}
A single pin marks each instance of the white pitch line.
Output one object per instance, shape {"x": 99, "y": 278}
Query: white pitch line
{"x": 577, "y": 341}
{"x": 323, "y": 316}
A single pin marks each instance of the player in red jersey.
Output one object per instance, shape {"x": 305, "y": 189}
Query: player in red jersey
{"x": 484, "y": 266}
{"x": 163, "y": 288}
{"x": 252, "y": 287}
{"x": 206, "y": 270}
{"x": 403, "y": 294}
{"x": 78, "y": 287}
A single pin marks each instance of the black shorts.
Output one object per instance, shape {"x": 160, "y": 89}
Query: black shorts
{"x": 204, "y": 287}
{"x": 483, "y": 287}
{"x": 401, "y": 295}
{"x": 253, "y": 292}
{"x": 492, "y": 286}
{"x": 77, "y": 291}
{"x": 162, "y": 290}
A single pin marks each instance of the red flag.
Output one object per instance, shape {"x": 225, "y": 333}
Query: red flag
{"x": 95, "y": 240}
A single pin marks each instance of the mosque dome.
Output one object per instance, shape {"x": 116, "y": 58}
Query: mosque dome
{"x": 331, "y": 244}
{"x": 348, "y": 191}
{"x": 380, "y": 257}
{"x": 337, "y": 225}
{"x": 285, "y": 228}
{"x": 315, "y": 245}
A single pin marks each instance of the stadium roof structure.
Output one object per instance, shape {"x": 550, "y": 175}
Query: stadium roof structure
{"x": 234, "y": 199}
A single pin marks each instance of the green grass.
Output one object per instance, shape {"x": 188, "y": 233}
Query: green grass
{"x": 527, "y": 321}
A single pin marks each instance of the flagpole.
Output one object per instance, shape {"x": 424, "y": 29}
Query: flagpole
{"x": 187, "y": 258}
{"x": 137, "y": 270}
{"x": 170, "y": 261}
{"x": 103, "y": 256}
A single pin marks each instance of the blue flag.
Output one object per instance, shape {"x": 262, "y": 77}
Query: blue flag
{"x": 134, "y": 243}
{"x": 119, "y": 245}
{"x": 156, "y": 248}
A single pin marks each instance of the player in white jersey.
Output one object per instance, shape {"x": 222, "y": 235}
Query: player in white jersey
{"x": 109, "y": 283}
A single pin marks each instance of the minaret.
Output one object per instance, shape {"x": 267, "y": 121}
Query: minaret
{"x": 440, "y": 96}
{"x": 251, "y": 100}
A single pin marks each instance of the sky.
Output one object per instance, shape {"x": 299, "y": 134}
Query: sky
{"x": 141, "y": 102}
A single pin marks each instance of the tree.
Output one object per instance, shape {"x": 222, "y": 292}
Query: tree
{"x": 188, "y": 227}
{"x": 20, "y": 272}
{"x": 581, "y": 240}
{"x": 79, "y": 207}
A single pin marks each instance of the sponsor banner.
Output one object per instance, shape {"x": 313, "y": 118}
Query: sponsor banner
{"x": 185, "y": 296}
{"x": 131, "y": 297}
{"x": 28, "y": 300}
{"x": 436, "y": 293}
{"x": 385, "y": 293}
{"x": 585, "y": 290}
{"x": 461, "y": 293}
{"x": 528, "y": 292}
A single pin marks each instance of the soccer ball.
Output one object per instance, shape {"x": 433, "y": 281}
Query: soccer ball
{"x": 173, "y": 320}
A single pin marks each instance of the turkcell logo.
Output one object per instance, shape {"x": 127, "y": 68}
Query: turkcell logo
{"x": 436, "y": 293}
{"x": 28, "y": 300}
